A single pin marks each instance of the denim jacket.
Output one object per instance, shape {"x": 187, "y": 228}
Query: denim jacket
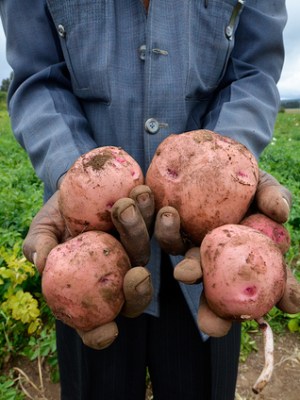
{"x": 104, "y": 72}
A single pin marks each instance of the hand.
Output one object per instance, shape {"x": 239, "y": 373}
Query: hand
{"x": 138, "y": 293}
{"x": 134, "y": 215}
{"x": 46, "y": 231}
{"x": 272, "y": 199}
{"x": 133, "y": 218}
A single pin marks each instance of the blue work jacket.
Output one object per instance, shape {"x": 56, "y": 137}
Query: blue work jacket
{"x": 104, "y": 72}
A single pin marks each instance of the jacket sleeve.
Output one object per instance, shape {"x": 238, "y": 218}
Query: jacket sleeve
{"x": 45, "y": 115}
{"x": 247, "y": 101}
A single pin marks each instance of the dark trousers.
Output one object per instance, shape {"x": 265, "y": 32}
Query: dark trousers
{"x": 181, "y": 365}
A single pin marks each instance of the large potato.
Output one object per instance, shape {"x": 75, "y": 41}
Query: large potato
{"x": 83, "y": 280}
{"x": 93, "y": 184}
{"x": 210, "y": 179}
{"x": 244, "y": 273}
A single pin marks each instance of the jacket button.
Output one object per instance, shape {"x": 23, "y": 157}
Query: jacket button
{"x": 152, "y": 126}
{"x": 61, "y": 30}
{"x": 142, "y": 52}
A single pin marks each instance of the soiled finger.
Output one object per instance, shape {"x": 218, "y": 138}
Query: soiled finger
{"x": 189, "y": 270}
{"x": 290, "y": 301}
{"x": 272, "y": 198}
{"x": 167, "y": 231}
{"x": 132, "y": 229}
{"x": 101, "y": 337}
{"x": 143, "y": 197}
{"x": 209, "y": 322}
{"x": 47, "y": 229}
{"x": 138, "y": 291}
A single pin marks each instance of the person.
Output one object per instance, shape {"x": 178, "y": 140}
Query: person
{"x": 129, "y": 73}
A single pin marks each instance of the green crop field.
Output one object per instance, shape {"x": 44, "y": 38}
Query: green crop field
{"x": 26, "y": 324}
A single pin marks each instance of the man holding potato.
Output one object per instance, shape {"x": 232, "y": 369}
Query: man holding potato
{"x": 128, "y": 74}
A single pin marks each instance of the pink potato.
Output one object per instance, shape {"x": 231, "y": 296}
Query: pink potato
{"x": 244, "y": 273}
{"x": 210, "y": 179}
{"x": 83, "y": 280}
{"x": 93, "y": 184}
{"x": 276, "y": 231}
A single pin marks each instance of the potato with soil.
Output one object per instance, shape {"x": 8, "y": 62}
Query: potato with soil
{"x": 208, "y": 178}
{"x": 93, "y": 184}
{"x": 274, "y": 230}
{"x": 290, "y": 301}
{"x": 83, "y": 280}
{"x": 244, "y": 273}
{"x": 244, "y": 276}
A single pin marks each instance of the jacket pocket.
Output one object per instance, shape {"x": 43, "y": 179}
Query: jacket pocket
{"x": 212, "y": 25}
{"x": 81, "y": 26}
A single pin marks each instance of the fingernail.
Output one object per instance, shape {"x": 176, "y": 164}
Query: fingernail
{"x": 168, "y": 218}
{"x": 143, "y": 198}
{"x": 34, "y": 258}
{"x": 128, "y": 214}
{"x": 286, "y": 202}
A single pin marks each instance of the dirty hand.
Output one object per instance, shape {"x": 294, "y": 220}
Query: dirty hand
{"x": 271, "y": 199}
{"x": 134, "y": 215}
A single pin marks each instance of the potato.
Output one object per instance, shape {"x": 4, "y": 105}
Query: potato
{"x": 290, "y": 301}
{"x": 93, "y": 184}
{"x": 276, "y": 231}
{"x": 244, "y": 272}
{"x": 208, "y": 178}
{"x": 83, "y": 280}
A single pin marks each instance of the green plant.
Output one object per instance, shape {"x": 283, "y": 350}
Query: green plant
{"x": 248, "y": 342}
{"x": 282, "y": 159}
{"x": 8, "y": 389}
{"x": 294, "y": 322}
{"x": 25, "y": 320}
{"x": 20, "y": 314}
{"x": 44, "y": 346}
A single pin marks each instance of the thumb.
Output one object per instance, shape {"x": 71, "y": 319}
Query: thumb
{"x": 37, "y": 252}
{"x": 189, "y": 270}
{"x": 47, "y": 229}
{"x": 272, "y": 198}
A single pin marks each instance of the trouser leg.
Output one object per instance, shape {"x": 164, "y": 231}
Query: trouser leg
{"x": 115, "y": 373}
{"x": 225, "y": 352}
{"x": 182, "y": 366}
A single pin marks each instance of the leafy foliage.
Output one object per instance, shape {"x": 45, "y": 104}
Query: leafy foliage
{"x": 282, "y": 159}
{"x": 8, "y": 391}
{"x": 24, "y": 316}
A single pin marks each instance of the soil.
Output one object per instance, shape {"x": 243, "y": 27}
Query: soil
{"x": 34, "y": 377}
{"x": 284, "y": 383}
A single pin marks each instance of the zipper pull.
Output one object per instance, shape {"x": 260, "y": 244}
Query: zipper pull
{"x": 230, "y": 27}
